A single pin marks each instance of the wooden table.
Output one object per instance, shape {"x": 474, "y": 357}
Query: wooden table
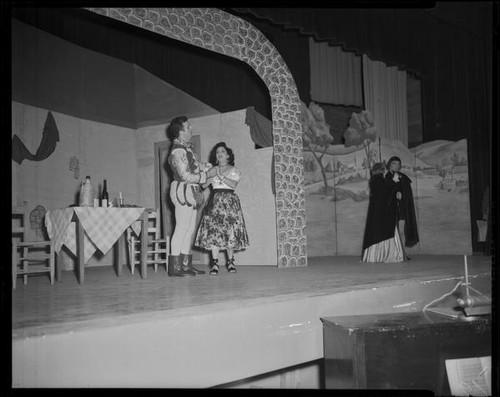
{"x": 399, "y": 350}
{"x": 83, "y": 230}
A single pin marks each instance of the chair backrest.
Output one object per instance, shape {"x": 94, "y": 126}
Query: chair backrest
{"x": 154, "y": 223}
{"x": 20, "y": 222}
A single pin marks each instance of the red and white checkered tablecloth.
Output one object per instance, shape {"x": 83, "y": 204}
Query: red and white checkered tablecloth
{"x": 102, "y": 227}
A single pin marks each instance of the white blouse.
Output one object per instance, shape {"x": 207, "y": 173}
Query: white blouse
{"x": 232, "y": 173}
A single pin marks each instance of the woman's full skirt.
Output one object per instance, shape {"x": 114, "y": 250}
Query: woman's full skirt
{"x": 387, "y": 251}
{"x": 222, "y": 224}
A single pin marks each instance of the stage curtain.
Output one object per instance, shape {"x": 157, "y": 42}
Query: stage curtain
{"x": 361, "y": 30}
{"x": 453, "y": 61}
{"x": 385, "y": 98}
{"x": 335, "y": 75}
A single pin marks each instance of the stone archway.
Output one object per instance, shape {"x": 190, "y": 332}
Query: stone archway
{"x": 219, "y": 31}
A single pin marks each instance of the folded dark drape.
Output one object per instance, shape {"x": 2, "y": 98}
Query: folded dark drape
{"x": 50, "y": 137}
{"x": 261, "y": 131}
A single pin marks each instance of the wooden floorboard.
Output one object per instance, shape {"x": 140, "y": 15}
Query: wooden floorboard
{"x": 105, "y": 297}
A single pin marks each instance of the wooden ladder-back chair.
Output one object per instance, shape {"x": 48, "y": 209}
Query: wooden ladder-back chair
{"x": 157, "y": 247}
{"x": 29, "y": 257}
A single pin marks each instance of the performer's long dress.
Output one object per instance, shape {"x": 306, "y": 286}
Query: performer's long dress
{"x": 382, "y": 241}
{"x": 390, "y": 250}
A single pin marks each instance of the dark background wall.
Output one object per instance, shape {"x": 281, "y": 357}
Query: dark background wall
{"x": 221, "y": 82}
{"x": 51, "y": 73}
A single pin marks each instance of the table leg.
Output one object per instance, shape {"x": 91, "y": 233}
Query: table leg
{"x": 121, "y": 245}
{"x": 57, "y": 260}
{"x": 144, "y": 243}
{"x": 81, "y": 251}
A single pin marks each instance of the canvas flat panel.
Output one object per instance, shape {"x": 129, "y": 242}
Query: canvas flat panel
{"x": 104, "y": 151}
{"x": 443, "y": 198}
{"x": 439, "y": 175}
{"x": 254, "y": 189}
{"x": 321, "y": 216}
{"x": 145, "y": 139}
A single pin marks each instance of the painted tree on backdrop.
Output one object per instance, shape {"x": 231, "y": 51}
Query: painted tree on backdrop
{"x": 361, "y": 132}
{"x": 317, "y": 137}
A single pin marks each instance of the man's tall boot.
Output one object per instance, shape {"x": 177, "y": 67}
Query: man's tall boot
{"x": 187, "y": 264}
{"x": 174, "y": 266}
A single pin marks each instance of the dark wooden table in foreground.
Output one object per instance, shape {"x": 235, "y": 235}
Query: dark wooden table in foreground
{"x": 400, "y": 350}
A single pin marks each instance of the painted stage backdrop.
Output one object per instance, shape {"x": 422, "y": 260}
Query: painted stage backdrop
{"x": 336, "y": 178}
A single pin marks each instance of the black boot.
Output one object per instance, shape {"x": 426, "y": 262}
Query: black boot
{"x": 174, "y": 266}
{"x": 187, "y": 263}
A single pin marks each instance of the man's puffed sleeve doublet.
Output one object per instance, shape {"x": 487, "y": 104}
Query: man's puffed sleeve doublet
{"x": 180, "y": 162}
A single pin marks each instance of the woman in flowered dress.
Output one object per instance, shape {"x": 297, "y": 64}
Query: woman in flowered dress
{"x": 222, "y": 226}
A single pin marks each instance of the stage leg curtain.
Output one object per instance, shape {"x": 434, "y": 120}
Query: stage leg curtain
{"x": 385, "y": 97}
{"x": 335, "y": 75}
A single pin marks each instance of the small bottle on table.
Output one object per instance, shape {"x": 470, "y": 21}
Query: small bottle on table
{"x": 104, "y": 195}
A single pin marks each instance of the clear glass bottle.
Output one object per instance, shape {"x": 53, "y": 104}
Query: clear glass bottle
{"x": 86, "y": 193}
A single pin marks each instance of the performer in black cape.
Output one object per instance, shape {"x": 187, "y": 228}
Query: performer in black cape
{"x": 381, "y": 242}
{"x": 401, "y": 200}
{"x": 391, "y": 200}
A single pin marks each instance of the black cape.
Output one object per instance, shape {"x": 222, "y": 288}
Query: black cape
{"x": 384, "y": 210}
{"x": 404, "y": 208}
{"x": 381, "y": 218}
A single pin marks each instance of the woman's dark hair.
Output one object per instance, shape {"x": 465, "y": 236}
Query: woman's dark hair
{"x": 175, "y": 126}
{"x": 213, "y": 154}
{"x": 393, "y": 158}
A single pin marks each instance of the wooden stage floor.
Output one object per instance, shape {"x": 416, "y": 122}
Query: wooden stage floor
{"x": 39, "y": 308}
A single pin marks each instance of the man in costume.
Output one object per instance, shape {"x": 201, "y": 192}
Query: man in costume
{"x": 186, "y": 195}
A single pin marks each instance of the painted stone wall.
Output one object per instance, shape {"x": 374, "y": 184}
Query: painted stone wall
{"x": 218, "y": 31}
